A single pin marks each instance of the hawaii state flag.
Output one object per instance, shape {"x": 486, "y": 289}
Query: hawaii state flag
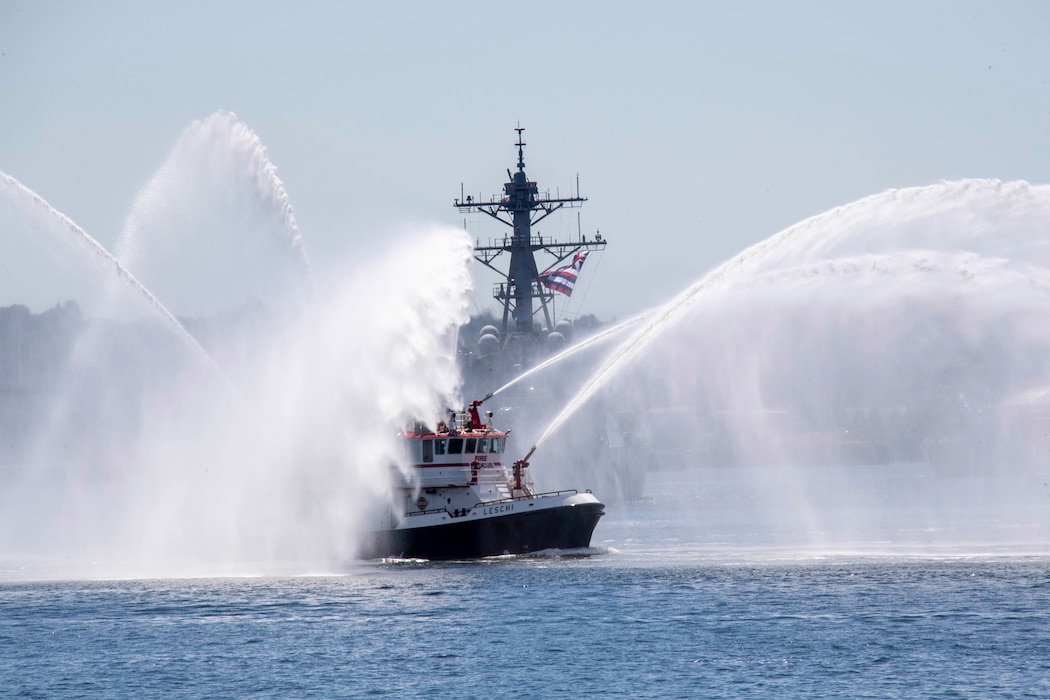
{"x": 564, "y": 278}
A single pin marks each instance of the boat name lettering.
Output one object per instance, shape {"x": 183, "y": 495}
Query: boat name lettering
{"x": 482, "y": 458}
{"x": 502, "y": 508}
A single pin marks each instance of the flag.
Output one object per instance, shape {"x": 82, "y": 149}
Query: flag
{"x": 564, "y": 278}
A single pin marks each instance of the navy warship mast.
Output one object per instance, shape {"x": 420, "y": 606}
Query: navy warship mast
{"x": 521, "y": 207}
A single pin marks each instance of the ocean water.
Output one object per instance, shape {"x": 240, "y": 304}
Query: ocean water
{"x": 663, "y": 606}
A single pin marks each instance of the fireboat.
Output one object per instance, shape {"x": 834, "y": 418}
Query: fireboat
{"x": 460, "y": 500}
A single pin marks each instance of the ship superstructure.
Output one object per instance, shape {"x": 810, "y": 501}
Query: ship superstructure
{"x": 529, "y": 330}
{"x": 522, "y": 293}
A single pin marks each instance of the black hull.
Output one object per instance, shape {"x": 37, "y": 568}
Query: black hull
{"x": 563, "y": 527}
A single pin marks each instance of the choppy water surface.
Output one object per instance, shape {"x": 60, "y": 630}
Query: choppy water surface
{"x": 652, "y": 612}
{"x": 544, "y": 628}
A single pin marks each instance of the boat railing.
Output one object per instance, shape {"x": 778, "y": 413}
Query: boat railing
{"x": 563, "y": 492}
{"x": 515, "y": 499}
{"x": 426, "y": 512}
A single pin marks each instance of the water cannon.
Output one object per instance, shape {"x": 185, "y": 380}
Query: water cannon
{"x": 519, "y": 472}
{"x": 475, "y": 418}
{"x": 524, "y": 461}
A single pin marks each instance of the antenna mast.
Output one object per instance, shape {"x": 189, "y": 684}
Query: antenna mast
{"x": 521, "y": 207}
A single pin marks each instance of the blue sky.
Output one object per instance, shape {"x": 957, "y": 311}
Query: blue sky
{"x": 696, "y": 128}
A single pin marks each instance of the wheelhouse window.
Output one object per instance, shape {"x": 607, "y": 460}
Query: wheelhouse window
{"x": 428, "y": 450}
{"x": 496, "y": 445}
{"x": 471, "y": 445}
{"x": 483, "y": 445}
{"x": 440, "y": 446}
{"x": 455, "y": 446}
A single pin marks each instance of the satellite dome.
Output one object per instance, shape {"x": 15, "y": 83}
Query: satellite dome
{"x": 488, "y": 344}
{"x": 556, "y": 340}
{"x": 564, "y": 327}
{"x": 489, "y": 330}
